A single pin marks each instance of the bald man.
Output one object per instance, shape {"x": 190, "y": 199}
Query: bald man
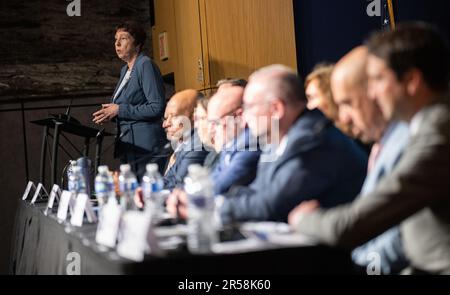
{"x": 349, "y": 86}
{"x": 408, "y": 71}
{"x": 179, "y": 126}
{"x": 239, "y": 153}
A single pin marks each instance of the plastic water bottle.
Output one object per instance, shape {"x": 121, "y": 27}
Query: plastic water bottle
{"x": 127, "y": 184}
{"x": 85, "y": 164}
{"x": 202, "y": 233}
{"x": 152, "y": 185}
{"x": 77, "y": 181}
{"x": 104, "y": 185}
{"x": 70, "y": 184}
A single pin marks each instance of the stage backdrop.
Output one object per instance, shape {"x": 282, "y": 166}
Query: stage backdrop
{"x": 326, "y": 30}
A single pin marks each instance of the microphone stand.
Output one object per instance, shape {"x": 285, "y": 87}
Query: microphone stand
{"x": 98, "y": 149}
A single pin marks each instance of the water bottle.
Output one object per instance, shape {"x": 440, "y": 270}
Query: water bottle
{"x": 127, "y": 184}
{"x": 77, "y": 181}
{"x": 152, "y": 185}
{"x": 70, "y": 184}
{"x": 202, "y": 233}
{"x": 104, "y": 185}
{"x": 85, "y": 164}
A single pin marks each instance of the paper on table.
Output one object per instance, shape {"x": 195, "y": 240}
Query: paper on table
{"x": 137, "y": 236}
{"x": 241, "y": 246}
{"x": 169, "y": 231}
{"x": 80, "y": 208}
{"x": 63, "y": 206}
{"x": 291, "y": 240}
{"x": 28, "y": 189}
{"x": 37, "y": 193}
{"x": 276, "y": 233}
{"x": 108, "y": 226}
{"x": 55, "y": 193}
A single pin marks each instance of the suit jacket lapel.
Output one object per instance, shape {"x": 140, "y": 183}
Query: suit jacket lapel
{"x": 122, "y": 76}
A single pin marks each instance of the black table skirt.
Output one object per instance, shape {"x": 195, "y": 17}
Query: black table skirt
{"x": 41, "y": 246}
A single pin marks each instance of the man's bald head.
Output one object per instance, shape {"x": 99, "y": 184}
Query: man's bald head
{"x": 184, "y": 102}
{"x": 279, "y": 81}
{"x": 351, "y": 69}
{"x": 274, "y": 94}
{"x": 179, "y": 114}
{"x": 349, "y": 87}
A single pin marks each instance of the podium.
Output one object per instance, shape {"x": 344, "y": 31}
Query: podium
{"x": 68, "y": 125}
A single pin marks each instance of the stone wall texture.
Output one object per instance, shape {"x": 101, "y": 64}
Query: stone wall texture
{"x": 48, "y": 59}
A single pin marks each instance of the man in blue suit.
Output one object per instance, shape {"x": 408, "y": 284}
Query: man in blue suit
{"x": 239, "y": 154}
{"x": 179, "y": 126}
{"x": 349, "y": 85}
{"x": 304, "y": 155}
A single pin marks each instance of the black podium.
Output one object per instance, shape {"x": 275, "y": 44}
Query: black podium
{"x": 69, "y": 126}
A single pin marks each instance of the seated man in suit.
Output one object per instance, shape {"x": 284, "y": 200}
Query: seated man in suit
{"x": 214, "y": 155}
{"x": 408, "y": 72}
{"x": 188, "y": 149}
{"x": 349, "y": 86}
{"x": 239, "y": 154}
{"x": 238, "y": 160}
{"x": 304, "y": 155}
{"x": 312, "y": 160}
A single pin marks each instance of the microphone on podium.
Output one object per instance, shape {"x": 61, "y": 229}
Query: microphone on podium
{"x": 66, "y": 117}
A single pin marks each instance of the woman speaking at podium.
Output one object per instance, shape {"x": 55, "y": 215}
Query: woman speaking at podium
{"x": 138, "y": 103}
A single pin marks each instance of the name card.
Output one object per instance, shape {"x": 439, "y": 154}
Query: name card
{"x": 92, "y": 218}
{"x": 108, "y": 225}
{"x": 30, "y": 186}
{"x": 63, "y": 207}
{"x": 54, "y": 194}
{"x": 137, "y": 236}
{"x": 80, "y": 206}
{"x": 37, "y": 193}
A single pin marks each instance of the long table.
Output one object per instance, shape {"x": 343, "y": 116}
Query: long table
{"x": 42, "y": 245}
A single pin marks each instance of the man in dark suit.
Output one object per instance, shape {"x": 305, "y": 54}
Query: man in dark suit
{"x": 179, "y": 126}
{"x": 304, "y": 155}
{"x": 239, "y": 153}
{"x": 408, "y": 71}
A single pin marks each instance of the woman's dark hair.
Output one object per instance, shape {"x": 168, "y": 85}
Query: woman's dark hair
{"x": 136, "y": 30}
{"x": 414, "y": 45}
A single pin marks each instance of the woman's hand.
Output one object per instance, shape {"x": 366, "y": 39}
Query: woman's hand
{"x": 107, "y": 113}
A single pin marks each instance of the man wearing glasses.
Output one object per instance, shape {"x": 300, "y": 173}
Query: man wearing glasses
{"x": 239, "y": 153}
{"x": 304, "y": 155}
